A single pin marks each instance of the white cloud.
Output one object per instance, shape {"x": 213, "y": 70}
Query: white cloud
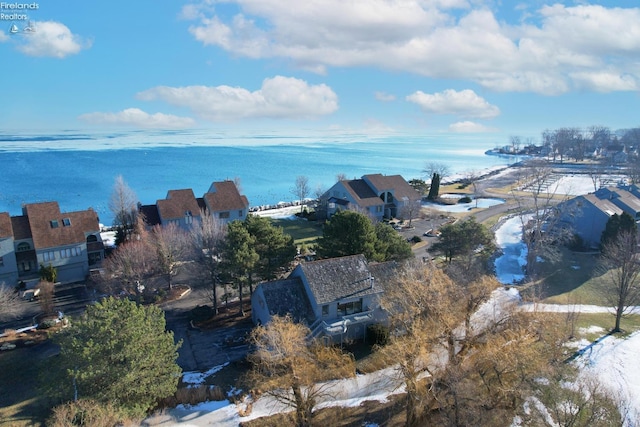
{"x": 52, "y": 39}
{"x": 3, "y": 37}
{"x": 137, "y": 118}
{"x": 469, "y": 127}
{"x": 464, "y": 103}
{"x": 385, "y": 97}
{"x": 279, "y": 97}
{"x": 551, "y": 50}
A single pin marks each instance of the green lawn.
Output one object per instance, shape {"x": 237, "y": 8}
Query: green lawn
{"x": 570, "y": 280}
{"x": 20, "y": 402}
{"x": 301, "y": 230}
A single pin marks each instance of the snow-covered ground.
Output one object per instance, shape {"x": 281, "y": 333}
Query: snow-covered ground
{"x": 612, "y": 361}
{"x": 509, "y": 266}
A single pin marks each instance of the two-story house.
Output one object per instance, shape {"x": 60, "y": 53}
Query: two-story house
{"x": 43, "y": 235}
{"x": 378, "y": 196}
{"x": 181, "y": 207}
{"x": 336, "y": 297}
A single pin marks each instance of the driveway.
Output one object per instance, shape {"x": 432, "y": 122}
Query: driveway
{"x": 203, "y": 349}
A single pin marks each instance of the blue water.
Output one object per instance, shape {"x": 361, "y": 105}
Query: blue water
{"x": 78, "y": 170}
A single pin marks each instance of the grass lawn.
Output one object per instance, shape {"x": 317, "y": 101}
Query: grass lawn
{"x": 20, "y": 402}
{"x": 570, "y": 280}
{"x": 301, "y": 230}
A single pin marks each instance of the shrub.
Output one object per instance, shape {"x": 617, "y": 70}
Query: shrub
{"x": 378, "y": 334}
{"x": 85, "y": 412}
{"x": 46, "y": 324}
{"x": 465, "y": 199}
{"x": 201, "y": 313}
{"x": 416, "y": 239}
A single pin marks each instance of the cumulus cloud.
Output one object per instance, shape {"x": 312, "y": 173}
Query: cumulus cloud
{"x": 3, "y": 37}
{"x": 52, "y": 39}
{"x": 385, "y": 97}
{"x": 469, "y": 127}
{"x": 549, "y": 50}
{"x": 465, "y": 103}
{"x": 137, "y": 118}
{"x": 279, "y": 97}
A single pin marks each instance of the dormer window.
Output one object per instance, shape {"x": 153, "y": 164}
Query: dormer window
{"x": 66, "y": 222}
{"x": 54, "y": 223}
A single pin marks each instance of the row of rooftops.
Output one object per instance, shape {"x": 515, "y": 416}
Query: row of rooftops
{"x": 47, "y": 226}
{"x": 222, "y": 196}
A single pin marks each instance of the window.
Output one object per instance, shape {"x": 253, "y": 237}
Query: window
{"x": 23, "y": 247}
{"x": 92, "y": 238}
{"x": 223, "y": 215}
{"x": 25, "y": 266}
{"x": 241, "y": 213}
{"x": 325, "y": 310}
{"x": 1, "y": 262}
{"x": 350, "y": 308}
{"x": 66, "y": 222}
{"x": 188, "y": 217}
{"x": 54, "y": 223}
{"x": 378, "y": 208}
{"x": 49, "y": 256}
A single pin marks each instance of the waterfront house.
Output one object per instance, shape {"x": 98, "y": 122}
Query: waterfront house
{"x": 43, "y": 235}
{"x": 378, "y": 196}
{"x": 181, "y": 207}
{"x": 336, "y": 297}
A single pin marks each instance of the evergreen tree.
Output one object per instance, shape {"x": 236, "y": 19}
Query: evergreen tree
{"x": 390, "y": 246}
{"x": 239, "y": 256}
{"x": 275, "y": 249}
{"x": 118, "y": 353}
{"x": 435, "y": 187}
{"x": 348, "y": 233}
{"x": 616, "y": 225}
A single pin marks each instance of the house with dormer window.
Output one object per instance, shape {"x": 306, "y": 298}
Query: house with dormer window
{"x": 181, "y": 207}
{"x": 43, "y": 235}
{"x": 336, "y": 297}
{"x": 378, "y": 196}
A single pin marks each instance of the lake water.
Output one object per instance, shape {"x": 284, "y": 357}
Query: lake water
{"x": 78, "y": 169}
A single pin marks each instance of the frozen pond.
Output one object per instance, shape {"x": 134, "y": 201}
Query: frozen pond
{"x": 483, "y": 202}
{"x": 510, "y": 265}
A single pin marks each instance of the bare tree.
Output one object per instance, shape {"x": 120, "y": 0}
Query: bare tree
{"x": 207, "y": 238}
{"x": 290, "y": 369}
{"x": 596, "y": 172}
{"x": 301, "y": 189}
{"x": 516, "y": 143}
{"x": 536, "y": 197}
{"x": 45, "y": 297}
{"x": 472, "y": 361}
{"x": 123, "y": 206}
{"x": 471, "y": 177}
{"x": 410, "y": 209}
{"x": 319, "y": 191}
{"x": 9, "y": 300}
{"x": 237, "y": 181}
{"x": 341, "y": 177}
{"x": 436, "y": 167}
{"x": 129, "y": 267}
{"x": 622, "y": 266}
{"x": 171, "y": 246}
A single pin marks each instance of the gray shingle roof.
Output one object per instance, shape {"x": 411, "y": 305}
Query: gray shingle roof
{"x": 287, "y": 296}
{"x": 341, "y": 278}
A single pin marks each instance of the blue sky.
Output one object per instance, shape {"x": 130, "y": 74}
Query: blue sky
{"x": 364, "y": 66}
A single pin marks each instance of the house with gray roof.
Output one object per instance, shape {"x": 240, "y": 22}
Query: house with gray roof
{"x": 378, "y": 196}
{"x": 587, "y": 215}
{"x": 43, "y": 235}
{"x": 336, "y": 297}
